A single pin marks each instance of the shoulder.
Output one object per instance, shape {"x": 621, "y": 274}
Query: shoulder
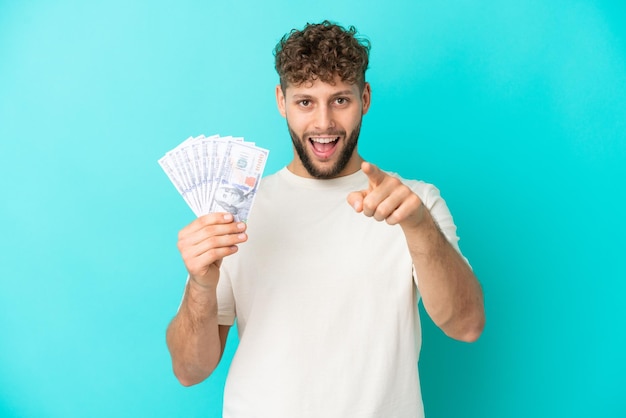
{"x": 271, "y": 179}
{"x": 268, "y": 182}
{"x": 268, "y": 189}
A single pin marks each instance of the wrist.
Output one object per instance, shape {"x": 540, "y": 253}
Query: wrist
{"x": 200, "y": 284}
{"x": 424, "y": 235}
{"x": 419, "y": 222}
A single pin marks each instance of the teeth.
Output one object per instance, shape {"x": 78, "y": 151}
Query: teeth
{"x": 323, "y": 140}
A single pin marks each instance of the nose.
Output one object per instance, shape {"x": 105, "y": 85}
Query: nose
{"x": 324, "y": 118}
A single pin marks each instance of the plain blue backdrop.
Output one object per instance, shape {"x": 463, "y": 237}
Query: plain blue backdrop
{"x": 515, "y": 109}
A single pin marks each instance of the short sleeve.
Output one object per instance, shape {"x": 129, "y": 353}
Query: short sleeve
{"x": 431, "y": 198}
{"x": 441, "y": 214}
{"x": 225, "y": 300}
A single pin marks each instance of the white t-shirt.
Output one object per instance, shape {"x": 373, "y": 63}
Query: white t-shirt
{"x": 326, "y": 305}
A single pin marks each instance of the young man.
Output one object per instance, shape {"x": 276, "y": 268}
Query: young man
{"x": 325, "y": 279}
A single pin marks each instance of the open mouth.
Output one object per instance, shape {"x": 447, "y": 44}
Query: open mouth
{"x": 324, "y": 146}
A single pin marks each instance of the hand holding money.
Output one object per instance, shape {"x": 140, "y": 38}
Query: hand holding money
{"x": 205, "y": 242}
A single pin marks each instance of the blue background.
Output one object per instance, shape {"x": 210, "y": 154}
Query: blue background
{"x": 515, "y": 109}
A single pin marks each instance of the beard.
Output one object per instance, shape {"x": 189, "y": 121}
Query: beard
{"x": 342, "y": 160}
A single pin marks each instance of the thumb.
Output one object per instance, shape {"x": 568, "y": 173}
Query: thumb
{"x": 355, "y": 199}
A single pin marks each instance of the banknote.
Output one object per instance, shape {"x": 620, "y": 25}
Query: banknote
{"x": 216, "y": 174}
{"x": 238, "y": 179}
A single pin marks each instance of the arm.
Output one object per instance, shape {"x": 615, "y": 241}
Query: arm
{"x": 450, "y": 291}
{"x": 194, "y": 338}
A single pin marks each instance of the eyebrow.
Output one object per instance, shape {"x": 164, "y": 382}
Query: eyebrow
{"x": 339, "y": 93}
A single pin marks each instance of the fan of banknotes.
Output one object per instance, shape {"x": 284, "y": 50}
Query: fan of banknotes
{"x": 216, "y": 174}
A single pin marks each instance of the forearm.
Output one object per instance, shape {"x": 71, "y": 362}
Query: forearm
{"x": 193, "y": 336}
{"x": 450, "y": 292}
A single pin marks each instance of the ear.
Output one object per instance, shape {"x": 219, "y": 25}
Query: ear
{"x": 280, "y": 101}
{"x": 366, "y": 97}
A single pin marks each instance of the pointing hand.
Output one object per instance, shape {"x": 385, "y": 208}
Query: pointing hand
{"x": 387, "y": 199}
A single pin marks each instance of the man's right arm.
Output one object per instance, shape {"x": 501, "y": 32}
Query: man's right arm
{"x": 194, "y": 338}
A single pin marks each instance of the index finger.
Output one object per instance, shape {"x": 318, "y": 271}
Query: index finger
{"x": 373, "y": 173}
{"x": 208, "y": 219}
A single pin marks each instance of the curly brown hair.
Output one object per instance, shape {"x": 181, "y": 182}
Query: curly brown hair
{"x": 322, "y": 51}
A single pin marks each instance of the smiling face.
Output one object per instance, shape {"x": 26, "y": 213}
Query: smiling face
{"x": 324, "y": 121}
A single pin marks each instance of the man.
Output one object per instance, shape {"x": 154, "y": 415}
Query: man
{"x": 325, "y": 279}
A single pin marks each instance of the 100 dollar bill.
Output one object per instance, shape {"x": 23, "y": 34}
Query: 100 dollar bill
{"x": 216, "y": 174}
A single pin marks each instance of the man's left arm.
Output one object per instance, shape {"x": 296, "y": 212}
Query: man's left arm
{"x": 450, "y": 292}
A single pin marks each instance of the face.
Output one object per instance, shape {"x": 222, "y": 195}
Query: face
{"x": 324, "y": 121}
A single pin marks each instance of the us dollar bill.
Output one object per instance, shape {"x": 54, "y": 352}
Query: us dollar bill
{"x": 216, "y": 174}
{"x": 238, "y": 180}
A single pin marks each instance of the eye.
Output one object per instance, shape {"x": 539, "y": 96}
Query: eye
{"x": 341, "y": 101}
{"x": 304, "y": 103}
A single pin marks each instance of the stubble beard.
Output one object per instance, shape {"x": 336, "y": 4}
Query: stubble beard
{"x": 341, "y": 163}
